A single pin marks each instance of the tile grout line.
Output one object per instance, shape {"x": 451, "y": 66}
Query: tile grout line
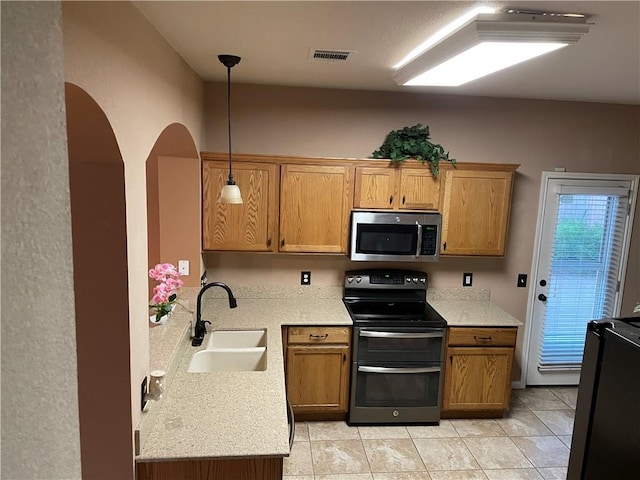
{"x": 526, "y": 408}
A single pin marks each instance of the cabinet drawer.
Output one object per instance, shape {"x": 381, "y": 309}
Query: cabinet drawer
{"x": 482, "y": 336}
{"x": 319, "y": 335}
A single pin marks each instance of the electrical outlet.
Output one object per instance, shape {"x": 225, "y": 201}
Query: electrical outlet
{"x": 143, "y": 393}
{"x": 305, "y": 278}
{"x": 467, "y": 279}
{"x": 522, "y": 280}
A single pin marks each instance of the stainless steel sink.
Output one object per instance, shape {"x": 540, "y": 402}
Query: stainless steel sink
{"x": 237, "y": 339}
{"x": 239, "y": 359}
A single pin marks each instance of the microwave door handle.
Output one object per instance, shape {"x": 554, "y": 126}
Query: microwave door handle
{"x": 367, "y": 369}
{"x": 373, "y": 334}
{"x": 419, "y": 243}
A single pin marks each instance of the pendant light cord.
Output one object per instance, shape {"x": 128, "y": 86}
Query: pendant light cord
{"x": 230, "y": 180}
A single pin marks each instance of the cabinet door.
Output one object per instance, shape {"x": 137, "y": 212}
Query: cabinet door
{"x": 419, "y": 190}
{"x": 315, "y": 202}
{"x": 477, "y": 378}
{"x": 475, "y": 212}
{"x": 318, "y": 377}
{"x": 246, "y": 227}
{"x": 375, "y": 187}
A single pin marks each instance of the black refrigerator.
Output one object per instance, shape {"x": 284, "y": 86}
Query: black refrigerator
{"x": 606, "y": 430}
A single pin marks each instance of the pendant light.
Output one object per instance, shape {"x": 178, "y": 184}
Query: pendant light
{"x": 230, "y": 192}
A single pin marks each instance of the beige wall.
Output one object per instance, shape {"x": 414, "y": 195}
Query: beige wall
{"x": 40, "y": 427}
{"x": 174, "y": 141}
{"x": 180, "y": 204}
{"x": 539, "y": 135}
{"x": 114, "y": 54}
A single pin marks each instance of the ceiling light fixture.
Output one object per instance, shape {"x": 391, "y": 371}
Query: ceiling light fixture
{"x": 230, "y": 192}
{"x": 485, "y": 43}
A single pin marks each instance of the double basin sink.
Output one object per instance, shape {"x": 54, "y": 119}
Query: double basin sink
{"x": 232, "y": 351}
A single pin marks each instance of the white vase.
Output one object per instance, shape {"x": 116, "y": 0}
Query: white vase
{"x": 154, "y": 321}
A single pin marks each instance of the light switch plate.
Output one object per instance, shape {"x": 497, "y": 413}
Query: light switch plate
{"x": 522, "y": 280}
{"x": 183, "y": 267}
{"x": 467, "y": 279}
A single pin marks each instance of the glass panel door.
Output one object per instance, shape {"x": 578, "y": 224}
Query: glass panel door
{"x": 582, "y": 248}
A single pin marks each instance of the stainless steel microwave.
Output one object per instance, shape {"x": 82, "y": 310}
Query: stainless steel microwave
{"x": 395, "y": 236}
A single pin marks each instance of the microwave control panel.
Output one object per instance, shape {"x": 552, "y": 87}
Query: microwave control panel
{"x": 429, "y": 240}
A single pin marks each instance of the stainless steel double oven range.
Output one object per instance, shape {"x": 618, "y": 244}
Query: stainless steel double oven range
{"x": 398, "y": 348}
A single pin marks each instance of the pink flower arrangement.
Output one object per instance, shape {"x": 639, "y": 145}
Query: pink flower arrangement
{"x": 165, "y": 294}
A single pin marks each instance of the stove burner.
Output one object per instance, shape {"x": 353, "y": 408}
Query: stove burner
{"x": 398, "y": 300}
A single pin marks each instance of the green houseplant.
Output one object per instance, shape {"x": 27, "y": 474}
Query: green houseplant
{"x": 413, "y": 142}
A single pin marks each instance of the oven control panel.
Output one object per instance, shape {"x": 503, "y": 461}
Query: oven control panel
{"x": 387, "y": 279}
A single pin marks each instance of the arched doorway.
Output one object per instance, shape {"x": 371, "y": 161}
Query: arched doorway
{"x": 173, "y": 202}
{"x": 98, "y": 221}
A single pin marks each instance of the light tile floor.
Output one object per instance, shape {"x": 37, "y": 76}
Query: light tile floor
{"x": 530, "y": 443}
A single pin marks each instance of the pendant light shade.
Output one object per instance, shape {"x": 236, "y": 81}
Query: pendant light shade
{"x": 230, "y": 192}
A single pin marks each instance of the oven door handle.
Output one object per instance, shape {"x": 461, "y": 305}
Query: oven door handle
{"x": 369, "y": 333}
{"x": 398, "y": 369}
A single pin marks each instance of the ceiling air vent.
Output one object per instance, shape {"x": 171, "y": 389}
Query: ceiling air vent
{"x": 331, "y": 56}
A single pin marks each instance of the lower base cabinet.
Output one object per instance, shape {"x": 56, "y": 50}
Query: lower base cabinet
{"x": 214, "y": 469}
{"x": 477, "y": 379}
{"x": 317, "y": 370}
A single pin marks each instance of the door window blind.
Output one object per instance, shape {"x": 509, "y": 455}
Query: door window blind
{"x": 584, "y": 272}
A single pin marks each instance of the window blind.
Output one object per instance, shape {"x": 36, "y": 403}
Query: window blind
{"x": 584, "y": 271}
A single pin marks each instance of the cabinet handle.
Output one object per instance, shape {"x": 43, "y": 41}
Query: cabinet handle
{"x": 481, "y": 339}
{"x": 268, "y": 242}
{"x": 403, "y": 199}
{"x": 282, "y": 242}
{"x": 344, "y": 357}
{"x": 390, "y": 199}
{"x": 444, "y": 247}
{"x": 318, "y": 336}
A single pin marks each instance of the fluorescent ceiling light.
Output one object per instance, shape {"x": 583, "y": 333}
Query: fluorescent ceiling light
{"x": 488, "y": 43}
{"x": 440, "y": 34}
{"x": 481, "y": 60}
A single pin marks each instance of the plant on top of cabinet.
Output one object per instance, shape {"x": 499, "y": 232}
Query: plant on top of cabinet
{"x": 413, "y": 142}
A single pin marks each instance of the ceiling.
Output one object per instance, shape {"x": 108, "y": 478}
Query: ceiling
{"x": 274, "y": 40}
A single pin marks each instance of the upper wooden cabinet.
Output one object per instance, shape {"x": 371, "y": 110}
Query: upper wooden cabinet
{"x": 475, "y": 210}
{"x": 303, "y": 205}
{"x": 315, "y": 203}
{"x": 250, "y": 226}
{"x": 396, "y": 188}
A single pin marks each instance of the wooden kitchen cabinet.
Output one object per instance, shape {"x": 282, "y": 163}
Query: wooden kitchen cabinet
{"x": 250, "y": 226}
{"x": 302, "y": 205}
{"x": 317, "y": 370}
{"x": 212, "y": 469}
{"x": 477, "y": 378}
{"x": 315, "y": 203}
{"x": 396, "y": 188}
{"x": 475, "y": 210}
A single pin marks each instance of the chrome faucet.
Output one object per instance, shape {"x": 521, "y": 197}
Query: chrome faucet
{"x": 200, "y": 328}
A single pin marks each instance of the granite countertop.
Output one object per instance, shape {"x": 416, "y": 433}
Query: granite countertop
{"x": 473, "y": 313}
{"x": 244, "y": 414}
{"x": 469, "y": 307}
{"x": 233, "y": 414}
